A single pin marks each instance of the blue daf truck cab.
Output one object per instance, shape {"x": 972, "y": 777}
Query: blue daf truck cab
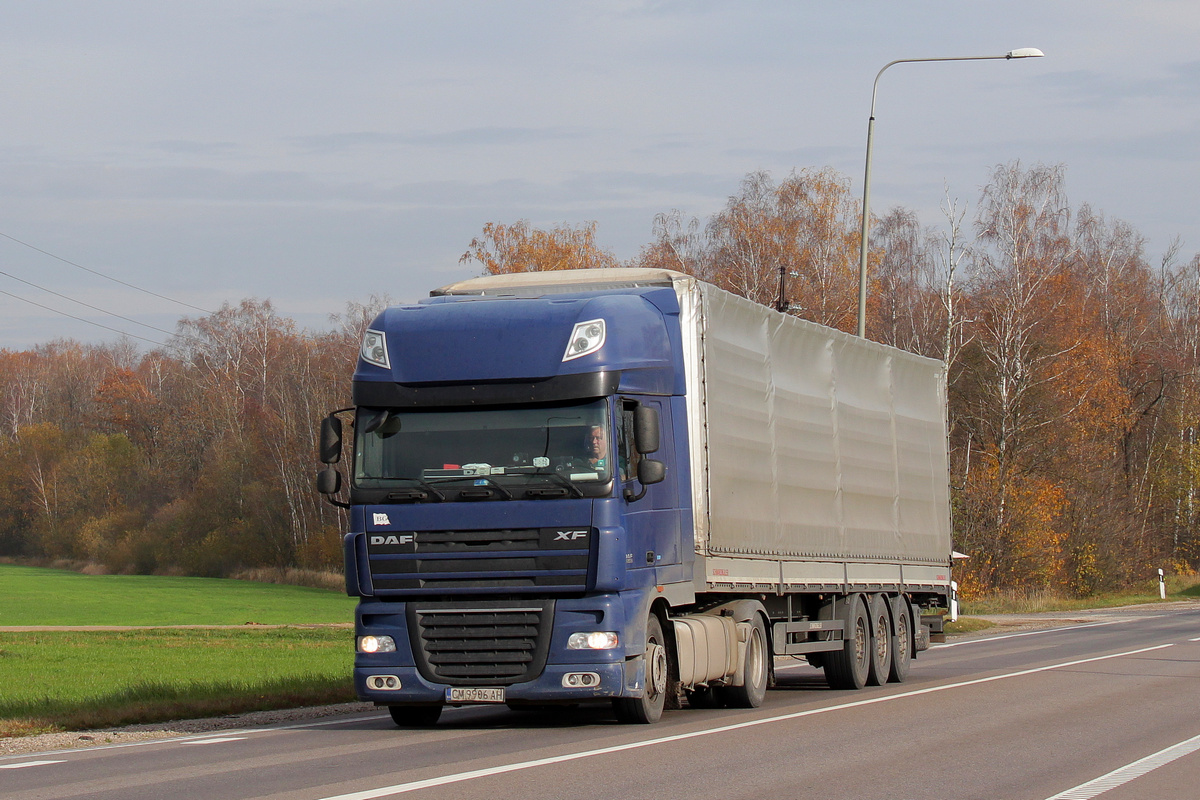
{"x": 630, "y": 486}
{"x": 515, "y": 502}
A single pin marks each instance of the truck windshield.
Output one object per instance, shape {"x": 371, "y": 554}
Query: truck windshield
{"x": 491, "y": 453}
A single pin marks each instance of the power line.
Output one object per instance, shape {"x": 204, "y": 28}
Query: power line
{"x": 85, "y": 305}
{"x": 88, "y": 321}
{"x": 102, "y": 275}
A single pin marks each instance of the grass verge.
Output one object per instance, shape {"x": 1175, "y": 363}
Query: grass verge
{"x": 1179, "y": 587}
{"x": 968, "y": 625}
{"x": 40, "y": 596}
{"x": 65, "y": 680}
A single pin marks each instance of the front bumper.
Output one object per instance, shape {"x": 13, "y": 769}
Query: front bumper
{"x": 396, "y": 678}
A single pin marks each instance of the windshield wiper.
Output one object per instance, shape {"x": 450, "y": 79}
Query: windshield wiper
{"x": 505, "y": 493}
{"x": 413, "y": 494}
{"x": 562, "y": 481}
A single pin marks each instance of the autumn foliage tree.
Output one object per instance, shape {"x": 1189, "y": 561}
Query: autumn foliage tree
{"x": 1073, "y": 370}
{"x": 519, "y": 247}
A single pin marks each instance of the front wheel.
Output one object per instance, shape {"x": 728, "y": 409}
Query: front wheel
{"x": 649, "y": 707}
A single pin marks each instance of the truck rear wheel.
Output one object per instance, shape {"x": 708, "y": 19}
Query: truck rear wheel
{"x": 848, "y": 668}
{"x": 881, "y": 641}
{"x": 755, "y": 668}
{"x": 902, "y": 646}
{"x": 649, "y": 707}
{"x": 415, "y": 716}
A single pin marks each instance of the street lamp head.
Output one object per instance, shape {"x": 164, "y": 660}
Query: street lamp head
{"x": 1025, "y": 52}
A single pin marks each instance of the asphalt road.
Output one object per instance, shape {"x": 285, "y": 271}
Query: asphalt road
{"x": 1103, "y": 707}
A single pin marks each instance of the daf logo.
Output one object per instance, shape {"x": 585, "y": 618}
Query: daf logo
{"x": 568, "y": 536}
{"x": 393, "y": 538}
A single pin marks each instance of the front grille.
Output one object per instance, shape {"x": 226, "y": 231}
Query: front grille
{"x": 427, "y": 562}
{"x": 493, "y": 643}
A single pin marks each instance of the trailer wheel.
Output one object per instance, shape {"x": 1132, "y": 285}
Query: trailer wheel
{"x": 649, "y": 707}
{"x": 881, "y": 641}
{"x": 755, "y": 668}
{"x": 902, "y": 646}
{"x": 415, "y": 716}
{"x": 848, "y": 668}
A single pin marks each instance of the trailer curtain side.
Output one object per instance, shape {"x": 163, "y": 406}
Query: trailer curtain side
{"x": 809, "y": 443}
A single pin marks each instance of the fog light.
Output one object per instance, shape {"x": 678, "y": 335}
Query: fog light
{"x": 376, "y": 644}
{"x": 580, "y": 680}
{"x": 593, "y": 640}
{"x": 383, "y": 683}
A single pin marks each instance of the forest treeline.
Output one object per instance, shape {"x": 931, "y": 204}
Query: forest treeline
{"x": 1074, "y": 387}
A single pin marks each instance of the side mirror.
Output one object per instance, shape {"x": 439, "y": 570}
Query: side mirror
{"x": 331, "y": 441}
{"x": 645, "y": 430}
{"x": 329, "y": 481}
{"x": 651, "y": 471}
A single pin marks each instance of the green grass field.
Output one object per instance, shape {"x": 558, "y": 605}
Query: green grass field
{"x": 37, "y": 596}
{"x": 70, "y": 680}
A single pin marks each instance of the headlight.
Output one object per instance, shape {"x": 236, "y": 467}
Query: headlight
{"x": 376, "y": 644}
{"x": 587, "y": 337}
{"x": 593, "y": 640}
{"x": 374, "y": 349}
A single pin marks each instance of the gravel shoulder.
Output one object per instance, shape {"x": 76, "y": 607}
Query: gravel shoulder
{"x": 128, "y": 734}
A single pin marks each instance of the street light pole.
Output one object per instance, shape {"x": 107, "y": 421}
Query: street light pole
{"x": 1024, "y": 52}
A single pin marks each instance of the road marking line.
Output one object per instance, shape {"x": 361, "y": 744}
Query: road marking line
{"x": 1123, "y": 775}
{"x": 24, "y": 764}
{"x": 218, "y": 740}
{"x": 1026, "y": 633}
{"x": 169, "y": 740}
{"x": 401, "y": 788}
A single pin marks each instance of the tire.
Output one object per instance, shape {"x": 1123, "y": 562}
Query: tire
{"x": 649, "y": 707}
{"x": 902, "y": 645}
{"x": 848, "y": 668}
{"x": 415, "y": 716}
{"x": 881, "y": 641}
{"x": 755, "y": 668}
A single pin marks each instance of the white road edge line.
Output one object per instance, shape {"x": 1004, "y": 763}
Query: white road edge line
{"x": 1123, "y": 775}
{"x": 1026, "y": 633}
{"x": 216, "y": 740}
{"x": 401, "y": 788}
{"x": 187, "y": 739}
{"x": 987, "y": 639}
{"x": 24, "y": 764}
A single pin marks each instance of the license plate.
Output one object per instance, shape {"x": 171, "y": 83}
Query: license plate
{"x": 474, "y": 694}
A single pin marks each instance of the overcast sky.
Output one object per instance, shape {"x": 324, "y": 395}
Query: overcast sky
{"x": 315, "y": 153}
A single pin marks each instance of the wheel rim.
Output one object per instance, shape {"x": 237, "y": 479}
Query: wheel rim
{"x": 656, "y": 664}
{"x": 861, "y": 651}
{"x": 881, "y": 640}
{"x": 755, "y": 662}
